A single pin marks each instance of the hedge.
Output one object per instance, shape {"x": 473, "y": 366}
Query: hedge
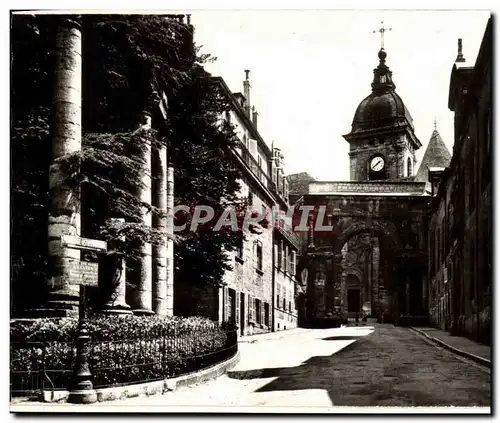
{"x": 122, "y": 350}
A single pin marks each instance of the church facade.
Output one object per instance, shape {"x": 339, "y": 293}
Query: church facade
{"x": 370, "y": 254}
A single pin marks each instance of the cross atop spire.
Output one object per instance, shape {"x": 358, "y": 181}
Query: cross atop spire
{"x": 382, "y": 31}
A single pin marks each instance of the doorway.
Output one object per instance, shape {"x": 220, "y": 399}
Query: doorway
{"x": 353, "y": 300}
{"x": 242, "y": 314}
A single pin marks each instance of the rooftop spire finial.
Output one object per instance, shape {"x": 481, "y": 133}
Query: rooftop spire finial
{"x": 435, "y": 124}
{"x": 382, "y": 31}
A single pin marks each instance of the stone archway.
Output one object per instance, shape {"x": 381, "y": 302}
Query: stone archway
{"x": 385, "y": 231}
{"x": 383, "y": 299}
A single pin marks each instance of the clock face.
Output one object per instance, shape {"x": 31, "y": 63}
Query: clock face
{"x": 377, "y": 164}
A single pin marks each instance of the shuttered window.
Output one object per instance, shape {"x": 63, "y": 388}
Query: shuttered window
{"x": 237, "y": 298}
{"x": 227, "y": 305}
{"x": 280, "y": 255}
{"x": 293, "y": 263}
{"x": 259, "y": 255}
{"x": 258, "y": 312}
{"x": 286, "y": 261}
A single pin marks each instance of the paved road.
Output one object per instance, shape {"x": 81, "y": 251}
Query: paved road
{"x": 353, "y": 366}
{"x": 381, "y": 365}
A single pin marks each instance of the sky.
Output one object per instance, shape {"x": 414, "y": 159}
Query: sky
{"x": 309, "y": 70}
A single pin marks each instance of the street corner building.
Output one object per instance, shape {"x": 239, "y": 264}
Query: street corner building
{"x": 406, "y": 243}
{"x": 259, "y": 294}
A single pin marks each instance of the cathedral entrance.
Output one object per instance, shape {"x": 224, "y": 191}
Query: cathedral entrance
{"x": 353, "y": 300}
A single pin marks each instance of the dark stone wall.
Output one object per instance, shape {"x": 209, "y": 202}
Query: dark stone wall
{"x": 460, "y": 232}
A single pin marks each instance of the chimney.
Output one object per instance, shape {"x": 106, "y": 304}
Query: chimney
{"x": 255, "y": 115}
{"x": 460, "y": 57}
{"x": 246, "y": 88}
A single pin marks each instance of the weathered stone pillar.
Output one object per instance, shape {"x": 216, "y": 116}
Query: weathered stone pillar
{"x": 64, "y": 209}
{"x": 170, "y": 242}
{"x": 142, "y": 295}
{"x": 159, "y": 164}
{"x": 337, "y": 278}
{"x": 114, "y": 282}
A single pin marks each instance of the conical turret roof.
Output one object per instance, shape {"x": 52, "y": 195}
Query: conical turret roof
{"x": 436, "y": 155}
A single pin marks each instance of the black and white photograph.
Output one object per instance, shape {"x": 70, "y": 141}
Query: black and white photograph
{"x": 250, "y": 211}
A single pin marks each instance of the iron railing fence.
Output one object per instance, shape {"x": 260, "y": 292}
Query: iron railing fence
{"x": 42, "y": 366}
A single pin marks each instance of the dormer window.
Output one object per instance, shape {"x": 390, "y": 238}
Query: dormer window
{"x": 409, "y": 167}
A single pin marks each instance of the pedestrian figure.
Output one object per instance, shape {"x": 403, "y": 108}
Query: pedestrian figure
{"x": 357, "y": 318}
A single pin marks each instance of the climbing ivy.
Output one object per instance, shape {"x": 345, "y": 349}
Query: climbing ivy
{"x": 128, "y": 61}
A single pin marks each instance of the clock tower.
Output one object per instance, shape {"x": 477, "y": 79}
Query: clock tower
{"x": 382, "y": 139}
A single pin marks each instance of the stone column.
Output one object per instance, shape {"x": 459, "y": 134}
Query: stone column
{"x": 170, "y": 242}
{"x": 64, "y": 208}
{"x": 337, "y": 271}
{"x": 142, "y": 294}
{"x": 114, "y": 283}
{"x": 160, "y": 223}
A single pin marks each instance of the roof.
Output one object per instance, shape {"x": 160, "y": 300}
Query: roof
{"x": 379, "y": 109}
{"x": 436, "y": 155}
{"x": 241, "y": 113}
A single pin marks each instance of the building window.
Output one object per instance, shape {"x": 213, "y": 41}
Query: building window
{"x": 409, "y": 167}
{"x": 258, "y": 248}
{"x": 284, "y": 304}
{"x": 290, "y": 306}
{"x": 266, "y": 314}
{"x": 258, "y": 312}
{"x": 239, "y": 248}
{"x": 383, "y": 79}
{"x": 280, "y": 255}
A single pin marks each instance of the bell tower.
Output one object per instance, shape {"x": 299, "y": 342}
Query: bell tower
{"x": 382, "y": 139}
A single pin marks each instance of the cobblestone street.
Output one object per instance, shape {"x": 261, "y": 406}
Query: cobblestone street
{"x": 379, "y": 365}
{"x": 353, "y": 366}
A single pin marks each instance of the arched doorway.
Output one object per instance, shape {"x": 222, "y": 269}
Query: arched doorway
{"x": 372, "y": 294}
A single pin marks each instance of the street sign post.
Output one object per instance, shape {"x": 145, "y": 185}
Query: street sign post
{"x": 83, "y": 273}
{"x": 78, "y": 243}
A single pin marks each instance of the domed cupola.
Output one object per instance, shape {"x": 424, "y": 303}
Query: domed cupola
{"x": 383, "y": 107}
{"x": 382, "y": 141}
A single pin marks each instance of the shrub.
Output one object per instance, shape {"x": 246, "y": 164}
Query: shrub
{"x": 123, "y": 349}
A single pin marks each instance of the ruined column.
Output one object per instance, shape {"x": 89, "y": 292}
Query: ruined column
{"x": 64, "y": 205}
{"x": 170, "y": 242}
{"x": 160, "y": 223}
{"x": 142, "y": 294}
{"x": 114, "y": 279}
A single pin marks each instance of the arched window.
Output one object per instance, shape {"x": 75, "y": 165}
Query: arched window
{"x": 408, "y": 166}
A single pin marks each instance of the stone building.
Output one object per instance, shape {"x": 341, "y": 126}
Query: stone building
{"x": 259, "y": 293}
{"x": 460, "y": 227}
{"x": 366, "y": 250}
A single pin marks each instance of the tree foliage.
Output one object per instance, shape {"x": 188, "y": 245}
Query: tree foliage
{"x": 128, "y": 61}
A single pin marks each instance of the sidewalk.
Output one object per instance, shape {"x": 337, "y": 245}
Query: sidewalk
{"x": 268, "y": 336}
{"x": 459, "y": 345}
